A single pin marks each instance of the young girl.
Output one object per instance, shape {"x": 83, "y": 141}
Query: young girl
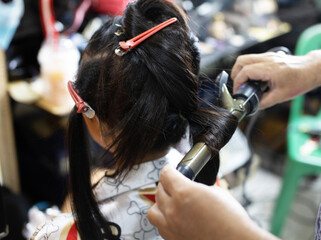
{"x": 139, "y": 99}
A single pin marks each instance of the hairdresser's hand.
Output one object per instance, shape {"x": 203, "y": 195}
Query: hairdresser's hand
{"x": 188, "y": 210}
{"x": 288, "y": 76}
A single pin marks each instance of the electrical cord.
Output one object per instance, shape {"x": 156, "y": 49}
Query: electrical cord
{"x": 248, "y": 130}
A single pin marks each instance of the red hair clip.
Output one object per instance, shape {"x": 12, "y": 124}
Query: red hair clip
{"x": 131, "y": 43}
{"x": 82, "y": 106}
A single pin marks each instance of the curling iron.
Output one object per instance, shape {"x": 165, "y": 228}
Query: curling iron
{"x": 243, "y": 103}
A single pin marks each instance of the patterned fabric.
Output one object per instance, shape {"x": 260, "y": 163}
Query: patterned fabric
{"x": 124, "y": 200}
{"x": 318, "y": 225}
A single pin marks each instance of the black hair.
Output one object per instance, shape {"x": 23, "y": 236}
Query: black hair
{"x": 148, "y": 98}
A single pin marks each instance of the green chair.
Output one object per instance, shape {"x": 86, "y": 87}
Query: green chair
{"x": 300, "y": 162}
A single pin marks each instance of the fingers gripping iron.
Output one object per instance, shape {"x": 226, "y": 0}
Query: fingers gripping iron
{"x": 246, "y": 100}
{"x": 243, "y": 103}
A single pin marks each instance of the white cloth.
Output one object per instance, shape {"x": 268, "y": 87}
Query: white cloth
{"x": 124, "y": 201}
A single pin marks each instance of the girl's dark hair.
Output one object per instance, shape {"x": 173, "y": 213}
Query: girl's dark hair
{"x": 148, "y": 98}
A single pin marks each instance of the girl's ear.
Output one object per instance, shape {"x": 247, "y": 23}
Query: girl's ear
{"x": 94, "y": 128}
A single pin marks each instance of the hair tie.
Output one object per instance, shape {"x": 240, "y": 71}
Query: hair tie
{"x": 120, "y": 31}
{"x": 182, "y": 116}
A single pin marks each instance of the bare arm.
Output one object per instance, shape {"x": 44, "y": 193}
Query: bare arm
{"x": 188, "y": 210}
{"x": 288, "y": 76}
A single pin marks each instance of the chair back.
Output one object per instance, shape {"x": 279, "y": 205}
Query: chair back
{"x": 310, "y": 39}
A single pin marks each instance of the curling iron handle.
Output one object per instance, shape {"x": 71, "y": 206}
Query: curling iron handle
{"x": 244, "y": 102}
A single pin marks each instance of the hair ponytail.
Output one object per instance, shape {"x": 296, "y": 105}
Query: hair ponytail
{"x": 88, "y": 218}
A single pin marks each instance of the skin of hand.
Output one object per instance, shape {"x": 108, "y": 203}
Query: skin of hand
{"x": 288, "y": 75}
{"x": 188, "y": 210}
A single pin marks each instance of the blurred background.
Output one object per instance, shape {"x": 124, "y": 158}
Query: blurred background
{"x": 37, "y": 39}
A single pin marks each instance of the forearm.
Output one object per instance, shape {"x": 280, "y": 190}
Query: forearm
{"x": 257, "y": 233}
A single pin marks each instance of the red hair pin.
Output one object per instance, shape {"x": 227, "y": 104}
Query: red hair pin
{"x": 82, "y": 106}
{"x": 124, "y": 47}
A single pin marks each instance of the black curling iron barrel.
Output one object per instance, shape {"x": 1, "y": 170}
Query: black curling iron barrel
{"x": 243, "y": 103}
